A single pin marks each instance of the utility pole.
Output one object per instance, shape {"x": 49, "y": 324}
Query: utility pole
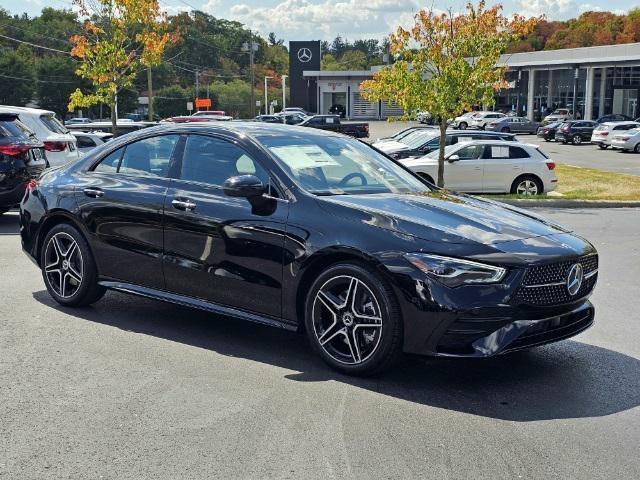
{"x": 284, "y": 90}
{"x": 251, "y": 48}
{"x": 266, "y": 111}
{"x": 150, "y": 94}
{"x": 197, "y": 82}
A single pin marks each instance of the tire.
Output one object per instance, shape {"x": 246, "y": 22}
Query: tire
{"x": 463, "y": 126}
{"x": 333, "y": 324}
{"x": 576, "y": 139}
{"x": 603, "y": 146}
{"x": 636, "y": 149}
{"x": 505, "y": 130}
{"x": 527, "y": 183}
{"x": 68, "y": 267}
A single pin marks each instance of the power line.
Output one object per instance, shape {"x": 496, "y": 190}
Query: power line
{"x": 66, "y": 42}
{"x": 33, "y": 79}
{"x": 35, "y": 45}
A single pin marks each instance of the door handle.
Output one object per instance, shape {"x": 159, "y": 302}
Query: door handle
{"x": 183, "y": 204}
{"x": 93, "y": 192}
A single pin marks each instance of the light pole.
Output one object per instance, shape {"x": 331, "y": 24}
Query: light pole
{"x": 284, "y": 90}
{"x": 266, "y": 112}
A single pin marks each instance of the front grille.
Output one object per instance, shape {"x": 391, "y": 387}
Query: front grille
{"x": 546, "y": 284}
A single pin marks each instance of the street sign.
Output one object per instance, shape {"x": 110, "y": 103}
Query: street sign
{"x": 258, "y": 103}
{"x": 203, "y": 103}
{"x": 190, "y": 106}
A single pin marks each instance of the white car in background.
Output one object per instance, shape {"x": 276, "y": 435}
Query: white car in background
{"x": 604, "y": 132}
{"x": 87, "y": 141}
{"x": 486, "y": 166}
{"x": 481, "y": 119}
{"x": 627, "y": 141}
{"x": 59, "y": 144}
{"x": 463, "y": 121}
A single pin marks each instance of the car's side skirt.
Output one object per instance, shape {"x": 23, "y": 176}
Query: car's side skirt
{"x": 196, "y": 303}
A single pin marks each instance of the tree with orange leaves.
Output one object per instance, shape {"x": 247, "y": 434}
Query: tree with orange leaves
{"x": 121, "y": 37}
{"x": 446, "y": 63}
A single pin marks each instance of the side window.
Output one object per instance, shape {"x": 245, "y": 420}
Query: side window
{"x": 496, "y": 151}
{"x": 148, "y": 157}
{"x": 472, "y": 152}
{"x": 110, "y": 163}
{"x": 517, "y": 152}
{"x": 213, "y": 160}
{"x": 85, "y": 142}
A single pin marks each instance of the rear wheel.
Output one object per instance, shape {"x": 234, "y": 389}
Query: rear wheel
{"x": 527, "y": 185}
{"x": 68, "y": 267}
{"x": 637, "y": 148}
{"x": 462, "y": 125}
{"x": 576, "y": 139}
{"x": 352, "y": 319}
{"x": 603, "y": 146}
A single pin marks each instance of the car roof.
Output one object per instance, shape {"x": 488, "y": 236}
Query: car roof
{"x": 35, "y": 111}
{"x": 493, "y": 142}
{"x": 622, "y": 122}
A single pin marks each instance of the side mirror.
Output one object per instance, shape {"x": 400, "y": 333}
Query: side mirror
{"x": 246, "y": 186}
{"x": 453, "y": 158}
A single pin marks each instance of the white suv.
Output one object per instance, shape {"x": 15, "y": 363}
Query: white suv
{"x": 604, "y": 132}
{"x": 59, "y": 144}
{"x": 481, "y": 119}
{"x": 487, "y": 166}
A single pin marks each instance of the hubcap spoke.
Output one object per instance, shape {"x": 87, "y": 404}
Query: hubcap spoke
{"x": 352, "y": 341}
{"x": 63, "y": 264}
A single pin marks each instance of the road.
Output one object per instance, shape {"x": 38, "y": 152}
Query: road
{"x": 136, "y": 389}
{"x": 585, "y": 155}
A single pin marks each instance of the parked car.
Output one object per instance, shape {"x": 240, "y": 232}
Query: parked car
{"x": 22, "y": 158}
{"x": 422, "y": 142}
{"x": 404, "y": 132}
{"x": 558, "y": 115}
{"x": 338, "y": 109}
{"x": 58, "y": 142}
{"x": 140, "y": 117}
{"x": 76, "y": 120}
{"x": 463, "y": 121}
{"x": 513, "y": 124}
{"x": 424, "y": 117}
{"x": 333, "y": 124}
{"x": 294, "y": 110}
{"x": 614, "y": 117}
{"x": 308, "y": 231}
{"x": 268, "y": 118}
{"x": 123, "y": 127}
{"x": 209, "y": 113}
{"x": 294, "y": 118}
{"x": 603, "y": 133}
{"x": 488, "y": 166}
{"x": 548, "y": 132}
{"x": 481, "y": 119}
{"x": 627, "y": 141}
{"x": 87, "y": 141}
{"x": 575, "y": 131}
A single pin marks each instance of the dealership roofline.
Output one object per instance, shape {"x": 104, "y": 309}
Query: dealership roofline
{"x": 626, "y": 52}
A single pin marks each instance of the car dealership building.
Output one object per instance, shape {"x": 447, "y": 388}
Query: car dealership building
{"x": 596, "y": 80}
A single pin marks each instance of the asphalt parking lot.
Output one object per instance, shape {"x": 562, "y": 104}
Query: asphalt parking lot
{"x": 136, "y": 389}
{"x": 585, "y": 155}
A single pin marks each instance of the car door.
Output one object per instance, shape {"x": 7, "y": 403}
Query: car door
{"x": 502, "y": 164}
{"x": 465, "y": 173}
{"x": 218, "y": 248}
{"x": 121, "y": 201}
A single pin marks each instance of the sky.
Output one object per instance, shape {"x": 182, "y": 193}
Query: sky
{"x": 352, "y": 19}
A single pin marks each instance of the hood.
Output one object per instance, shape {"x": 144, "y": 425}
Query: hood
{"x": 391, "y": 146}
{"x": 442, "y": 217}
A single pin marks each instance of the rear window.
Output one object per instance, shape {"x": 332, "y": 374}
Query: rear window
{"x": 53, "y": 124}
{"x": 13, "y": 128}
{"x": 542, "y": 153}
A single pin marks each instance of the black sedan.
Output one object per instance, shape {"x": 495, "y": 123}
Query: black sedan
{"x": 22, "y": 158}
{"x": 548, "y": 132}
{"x": 311, "y": 231}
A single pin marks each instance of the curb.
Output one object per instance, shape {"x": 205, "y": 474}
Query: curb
{"x": 571, "y": 203}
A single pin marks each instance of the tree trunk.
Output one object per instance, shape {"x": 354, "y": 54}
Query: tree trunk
{"x": 114, "y": 115}
{"x": 443, "y": 139}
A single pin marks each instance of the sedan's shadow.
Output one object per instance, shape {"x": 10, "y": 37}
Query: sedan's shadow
{"x": 566, "y": 380}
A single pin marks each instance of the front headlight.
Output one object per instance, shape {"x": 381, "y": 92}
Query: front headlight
{"x": 454, "y": 272}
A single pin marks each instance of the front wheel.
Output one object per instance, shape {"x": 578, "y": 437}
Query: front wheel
{"x": 462, "y": 125}
{"x": 527, "y": 185}
{"x": 68, "y": 268}
{"x": 602, "y": 146}
{"x": 353, "y": 321}
{"x": 576, "y": 140}
{"x": 637, "y": 148}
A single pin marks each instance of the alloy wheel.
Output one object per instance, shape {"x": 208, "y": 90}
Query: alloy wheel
{"x": 527, "y": 187}
{"x": 577, "y": 139}
{"x": 347, "y": 320}
{"x": 63, "y": 264}
{"x": 637, "y": 148}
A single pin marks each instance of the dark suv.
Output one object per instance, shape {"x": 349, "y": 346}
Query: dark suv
{"x": 575, "y": 131}
{"x": 22, "y": 158}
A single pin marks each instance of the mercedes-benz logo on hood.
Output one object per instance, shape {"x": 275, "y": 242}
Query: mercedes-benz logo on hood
{"x": 304, "y": 55}
{"x": 574, "y": 279}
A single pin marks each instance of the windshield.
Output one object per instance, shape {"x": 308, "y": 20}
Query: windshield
{"x": 418, "y": 139}
{"x": 447, "y": 151}
{"x": 53, "y": 124}
{"x": 339, "y": 166}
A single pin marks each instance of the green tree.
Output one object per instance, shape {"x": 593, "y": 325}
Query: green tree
{"x": 233, "y": 97}
{"x": 446, "y": 63}
{"x": 172, "y": 101}
{"x": 55, "y": 96}
{"x": 17, "y": 80}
